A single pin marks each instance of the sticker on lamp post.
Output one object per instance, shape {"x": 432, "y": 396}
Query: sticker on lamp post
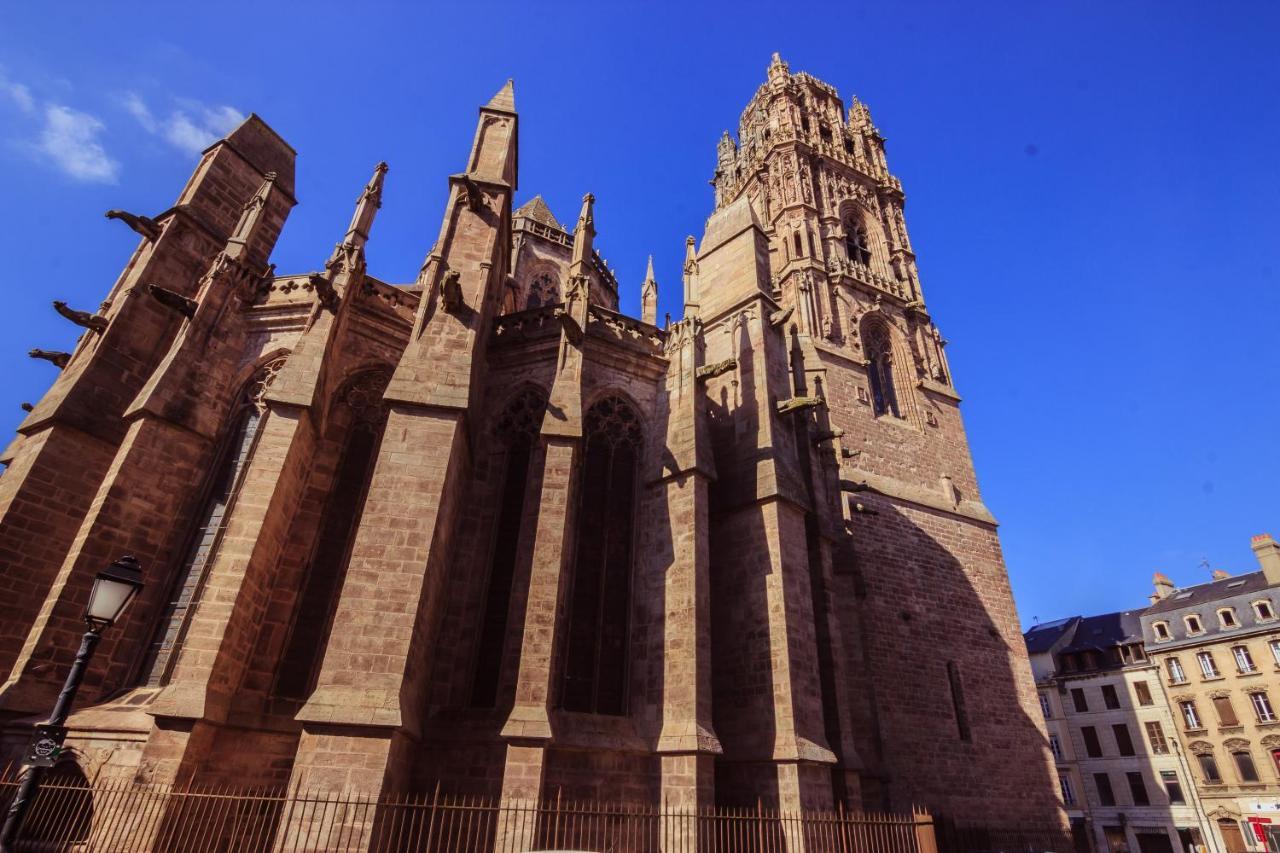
{"x": 45, "y": 746}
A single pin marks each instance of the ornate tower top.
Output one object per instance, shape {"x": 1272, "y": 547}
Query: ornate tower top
{"x": 799, "y": 111}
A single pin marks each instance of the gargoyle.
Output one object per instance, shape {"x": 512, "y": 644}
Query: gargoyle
{"x": 144, "y": 225}
{"x": 827, "y": 435}
{"x": 324, "y": 291}
{"x": 709, "y": 371}
{"x": 173, "y": 300}
{"x": 81, "y": 318}
{"x": 572, "y": 330}
{"x": 451, "y": 290}
{"x": 777, "y": 318}
{"x": 796, "y": 404}
{"x": 58, "y": 358}
{"x": 846, "y": 453}
{"x": 26, "y": 407}
{"x": 471, "y": 193}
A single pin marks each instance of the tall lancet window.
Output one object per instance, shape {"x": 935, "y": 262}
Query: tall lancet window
{"x": 595, "y": 673}
{"x": 517, "y": 432}
{"x": 878, "y": 346}
{"x": 362, "y": 407}
{"x": 855, "y": 241}
{"x": 222, "y": 487}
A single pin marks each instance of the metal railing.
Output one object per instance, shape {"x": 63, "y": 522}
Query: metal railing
{"x": 119, "y": 815}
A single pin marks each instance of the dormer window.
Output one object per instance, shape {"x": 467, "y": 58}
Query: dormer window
{"x": 1193, "y": 624}
{"x": 1227, "y": 618}
{"x": 1161, "y": 630}
{"x": 1264, "y": 611}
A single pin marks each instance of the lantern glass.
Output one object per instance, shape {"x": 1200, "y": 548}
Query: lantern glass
{"x": 113, "y": 589}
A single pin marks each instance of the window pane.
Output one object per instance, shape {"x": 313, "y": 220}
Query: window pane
{"x": 1092, "y": 746}
{"x": 1143, "y": 692}
{"x": 1155, "y": 734}
{"x": 1244, "y": 763}
{"x": 1109, "y": 697}
{"x": 1123, "y": 742}
{"x": 1105, "y": 795}
{"x": 1077, "y": 699}
{"x": 1138, "y": 788}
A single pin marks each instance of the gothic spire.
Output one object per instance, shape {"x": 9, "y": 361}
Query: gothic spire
{"x": 584, "y": 232}
{"x": 505, "y": 99}
{"x": 690, "y": 275}
{"x": 367, "y": 206}
{"x": 250, "y": 219}
{"x": 649, "y": 296}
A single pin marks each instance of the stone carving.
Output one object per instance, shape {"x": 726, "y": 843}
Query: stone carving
{"x": 81, "y": 318}
{"x": 451, "y": 290}
{"x": 710, "y": 371}
{"x": 327, "y": 296}
{"x": 471, "y": 194}
{"x": 777, "y": 318}
{"x": 174, "y": 301}
{"x": 144, "y": 225}
{"x": 261, "y": 382}
{"x": 55, "y": 357}
{"x": 796, "y": 404}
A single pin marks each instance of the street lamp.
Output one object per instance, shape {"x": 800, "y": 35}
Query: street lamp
{"x": 113, "y": 589}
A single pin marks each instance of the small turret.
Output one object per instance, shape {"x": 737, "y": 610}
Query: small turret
{"x": 584, "y": 233}
{"x": 250, "y": 220}
{"x": 649, "y": 296}
{"x": 778, "y": 69}
{"x": 367, "y": 207}
{"x": 691, "y": 305}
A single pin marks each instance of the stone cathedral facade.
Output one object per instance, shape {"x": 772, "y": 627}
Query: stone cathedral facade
{"x": 485, "y": 531}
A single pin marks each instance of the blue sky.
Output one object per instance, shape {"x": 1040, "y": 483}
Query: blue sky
{"x": 1092, "y": 189}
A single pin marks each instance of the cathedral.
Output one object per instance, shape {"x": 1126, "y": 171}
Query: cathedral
{"x": 483, "y": 532}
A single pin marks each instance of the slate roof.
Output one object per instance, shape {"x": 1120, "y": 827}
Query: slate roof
{"x": 1099, "y": 633}
{"x": 1194, "y": 596}
{"x": 1040, "y": 638}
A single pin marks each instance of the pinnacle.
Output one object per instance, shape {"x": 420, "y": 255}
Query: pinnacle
{"x": 648, "y": 273}
{"x": 505, "y": 100}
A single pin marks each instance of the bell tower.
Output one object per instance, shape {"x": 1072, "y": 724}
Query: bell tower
{"x": 841, "y": 424}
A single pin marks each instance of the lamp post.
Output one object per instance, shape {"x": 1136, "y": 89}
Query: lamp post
{"x": 113, "y": 589}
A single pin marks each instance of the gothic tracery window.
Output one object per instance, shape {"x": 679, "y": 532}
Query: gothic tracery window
{"x": 878, "y": 348}
{"x": 228, "y": 473}
{"x": 365, "y": 412}
{"x": 855, "y": 242}
{"x": 595, "y": 673}
{"x": 517, "y": 431}
{"x": 543, "y": 290}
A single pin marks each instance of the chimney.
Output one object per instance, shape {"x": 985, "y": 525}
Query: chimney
{"x": 1164, "y": 587}
{"x": 1221, "y": 574}
{"x": 1268, "y": 554}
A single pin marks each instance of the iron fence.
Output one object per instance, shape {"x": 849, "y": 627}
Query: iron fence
{"x": 119, "y": 815}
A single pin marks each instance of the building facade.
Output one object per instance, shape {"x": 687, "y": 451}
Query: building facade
{"x": 1217, "y": 647}
{"x": 484, "y": 531}
{"x": 1124, "y": 782}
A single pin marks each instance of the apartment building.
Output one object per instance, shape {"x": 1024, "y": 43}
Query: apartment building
{"x": 1124, "y": 783}
{"x": 1217, "y": 647}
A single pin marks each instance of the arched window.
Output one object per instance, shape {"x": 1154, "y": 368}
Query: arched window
{"x": 361, "y": 406}
{"x": 595, "y": 673}
{"x": 543, "y": 290}
{"x": 855, "y": 242}
{"x": 879, "y": 351}
{"x": 228, "y": 472}
{"x": 517, "y": 430}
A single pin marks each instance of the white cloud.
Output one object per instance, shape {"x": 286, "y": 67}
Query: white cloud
{"x": 19, "y": 94}
{"x": 136, "y": 107}
{"x": 69, "y": 139}
{"x": 192, "y": 128}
